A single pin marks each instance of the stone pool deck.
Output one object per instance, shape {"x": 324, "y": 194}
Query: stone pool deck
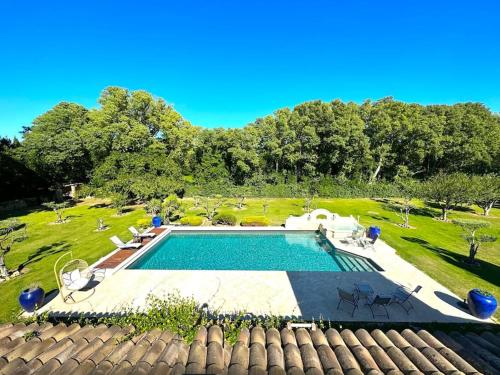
{"x": 305, "y": 295}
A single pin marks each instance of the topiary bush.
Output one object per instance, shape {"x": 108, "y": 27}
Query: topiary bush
{"x": 144, "y": 222}
{"x": 225, "y": 219}
{"x": 193, "y": 221}
{"x": 255, "y": 221}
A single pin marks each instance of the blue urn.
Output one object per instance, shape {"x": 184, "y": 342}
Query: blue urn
{"x": 31, "y": 298}
{"x": 481, "y": 304}
{"x": 156, "y": 221}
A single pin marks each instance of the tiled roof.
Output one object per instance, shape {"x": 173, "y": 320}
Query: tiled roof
{"x": 61, "y": 349}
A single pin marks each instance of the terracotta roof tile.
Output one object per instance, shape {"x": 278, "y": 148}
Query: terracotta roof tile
{"x": 197, "y": 358}
{"x": 96, "y": 350}
{"x": 52, "y": 351}
{"x": 491, "y": 338}
{"x": 11, "y": 345}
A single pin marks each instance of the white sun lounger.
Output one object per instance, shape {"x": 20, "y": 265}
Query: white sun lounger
{"x": 137, "y": 234}
{"x": 121, "y": 245}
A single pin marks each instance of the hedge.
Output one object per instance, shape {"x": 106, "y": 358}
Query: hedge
{"x": 193, "y": 221}
{"x": 324, "y": 188}
{"x": 225, "y": 219}
{"x": 255, "y": 221}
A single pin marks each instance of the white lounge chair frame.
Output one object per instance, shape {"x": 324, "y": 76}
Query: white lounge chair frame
{"x": 122, "y": 245}
{"x": 138, "y": 234}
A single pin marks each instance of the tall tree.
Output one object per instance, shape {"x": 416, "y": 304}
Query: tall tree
{"x": 471, "y": 138}
{"x": 54, "y": 145}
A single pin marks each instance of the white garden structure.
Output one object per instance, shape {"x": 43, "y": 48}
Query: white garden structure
{"x": 340, "y": 226}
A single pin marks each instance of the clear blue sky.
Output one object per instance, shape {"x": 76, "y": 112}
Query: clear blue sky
{"x": 225, "y": 63}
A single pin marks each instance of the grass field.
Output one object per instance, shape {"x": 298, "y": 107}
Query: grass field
{"x": 433, "y": 246}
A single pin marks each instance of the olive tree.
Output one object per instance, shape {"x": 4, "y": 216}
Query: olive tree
{"x": 11, "y": 231}
{"x": 170, "y": 205}
{"x": 265, "y": 206}
{"x": 153, "y": 206}
{"x": 410, "y": 189}
{"x": 118, "y": 202}
{"x": 471, "y": 235}
{"x": 196, "y": 201}
{"x": 486, "y": 191}
{"x": 58, "y": 209}
{"x": 240, "y": 201}
{"x": 447, "y": 190}
{"x": 212, "y": 205}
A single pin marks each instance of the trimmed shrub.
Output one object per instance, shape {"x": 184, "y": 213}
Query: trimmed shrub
{"x": 144, "y": 222}
{"x": 255, "y": 221}
{"x": 193, "y": 221}
{"x": 225, "y": 219}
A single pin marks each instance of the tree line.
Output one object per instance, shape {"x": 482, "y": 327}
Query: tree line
{"x": 138, "y": 146}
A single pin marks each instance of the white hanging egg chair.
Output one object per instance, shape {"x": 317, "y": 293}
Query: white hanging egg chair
{"x": 73, "y": 276}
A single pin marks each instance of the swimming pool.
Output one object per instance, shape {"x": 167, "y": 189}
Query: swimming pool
{"x": 249, "y": 250}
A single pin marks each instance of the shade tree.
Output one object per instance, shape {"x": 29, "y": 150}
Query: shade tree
{"x": 54, "y": 145}
{"x": 137, "y": 144}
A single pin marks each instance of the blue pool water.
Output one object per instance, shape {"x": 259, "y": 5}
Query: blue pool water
{"x": 256, "y": 250}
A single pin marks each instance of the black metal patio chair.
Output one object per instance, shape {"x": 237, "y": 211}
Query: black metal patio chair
{"x": 379, "y": 302}
{"x": 350, "y": 298}
{"x": 402, "y": 295}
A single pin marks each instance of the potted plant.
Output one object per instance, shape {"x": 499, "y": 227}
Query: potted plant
{"x": 156, "y": 221}
{"x": 31, "y": 298}
{"x": 482, "y": 304}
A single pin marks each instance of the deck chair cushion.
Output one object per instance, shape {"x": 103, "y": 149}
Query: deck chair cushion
{"x": 69, "y": 277}
{"x": 78, "y": 284}
{"x": 73, "y": 280}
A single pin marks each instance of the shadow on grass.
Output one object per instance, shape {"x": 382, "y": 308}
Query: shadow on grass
{"x": 18, "y": 212}
{"x": 380, "y": 218}
{"x": 424, "y": 211}
{"x": 456, "y": 208}
{"x": 394, "y": 206}
{"x": 485, "y": 270}
{"x": 100, "y": 205}
{"x": 45, "y": 251}
{"x": 71, "y": 216}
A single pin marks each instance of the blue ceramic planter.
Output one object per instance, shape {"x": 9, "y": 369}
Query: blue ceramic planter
{"x": 481, "y": 306}
{"x": 30, "y": 299}
{"x": 156, "y": 221}
{"x": 373, "y": 232}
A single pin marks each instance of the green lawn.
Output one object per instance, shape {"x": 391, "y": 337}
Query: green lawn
{"x": 433, "y": 246}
